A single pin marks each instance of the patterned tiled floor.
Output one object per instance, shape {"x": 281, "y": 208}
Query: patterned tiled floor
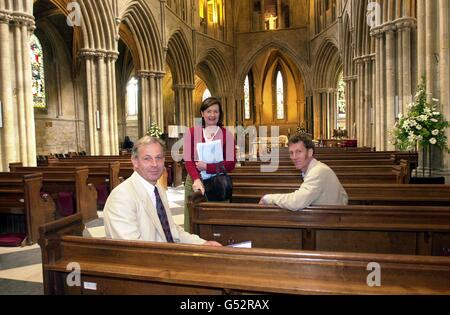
{"x": 21, "y": 268}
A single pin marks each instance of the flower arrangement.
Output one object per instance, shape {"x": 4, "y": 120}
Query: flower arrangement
{"x": 424, "y": 124}
{"x": 301, "y": 128}
{"x": 154, "y": 131}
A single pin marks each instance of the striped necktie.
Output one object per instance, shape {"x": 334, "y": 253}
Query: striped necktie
{"x": 163, "y": 217}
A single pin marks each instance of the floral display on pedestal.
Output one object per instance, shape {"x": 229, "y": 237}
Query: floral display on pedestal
{"x": 422, "y": 127}
{"x": 154, "y": 131}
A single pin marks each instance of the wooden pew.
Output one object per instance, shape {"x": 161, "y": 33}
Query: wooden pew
{"x": 362, "y": 194}
{"x": 126, "y": 166}
{"x": 131, "y": 267}
{"x": 296, "y": 178}
{"x": 20, "y": 196}
{"x": 373, "y": 169}
{"x": 99, "y": 172}
{"x": 399, "y": 174}
{"x": 68, "y": 179}
{"x": 407, "y": 230}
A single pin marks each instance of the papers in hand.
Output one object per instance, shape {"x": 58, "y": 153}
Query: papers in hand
{"x": 246, "y": 244}
{"x": 210, "y": 152}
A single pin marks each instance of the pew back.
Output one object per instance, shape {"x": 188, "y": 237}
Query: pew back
{"x": 131, "y": 267}
{"x": 23, "y": 209}
{"x": 408, "y": 230}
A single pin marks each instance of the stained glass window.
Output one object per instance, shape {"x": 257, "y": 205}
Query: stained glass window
{"x": 132, "y": 97}
{"x": 206, "y": 94}
{"x": 280, "y": 96}
{"x": 37, "y": 72}
{"x": 246, "y": 98}
{"x": 341, "y": 106}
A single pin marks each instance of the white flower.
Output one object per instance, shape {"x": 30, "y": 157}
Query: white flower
{"x": 419, "y": 138}
{"x": 435, "y": 132}
{"x": 436, "y": 113}
{"x": 400, "y": 116}
{"x": 434, "y": 120}
{"x": 410, "y": 105}
{"x": 433, "y": 141}
{"x": 419, "y": 127}
{"x": 435, "y": 100}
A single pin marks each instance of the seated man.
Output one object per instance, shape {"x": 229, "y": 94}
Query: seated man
{"x": 138, "y": 209}
{"x": 320, "y": 184}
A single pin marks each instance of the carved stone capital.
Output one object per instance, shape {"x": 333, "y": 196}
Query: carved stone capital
{"x": 389, "y": 28}
{"x": 99, "y": 54}
{"x": 145, "y": 74}
{"x": 406, "y": 23}
{"x": 5, "y": 17}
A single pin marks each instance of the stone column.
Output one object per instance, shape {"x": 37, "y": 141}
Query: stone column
{"x": 406, "y": 62}
{"x": 7, "y": 132}
{"x": 360, "y": 103}
{"x": 390, "y": 83}
{"x": 27, "y": 29}
{"x": 144, "y": 110}
{"x": 112, "y": 104}
{"x": 444, "y": 64}
{"x": 102, "y": 111}
{"x": 367, "y": 101}
{"x": 179, "y": 109}
{"x": 430, "y": 44}
{"x": 421, "y": 37}
{"x": 19, "y": 92}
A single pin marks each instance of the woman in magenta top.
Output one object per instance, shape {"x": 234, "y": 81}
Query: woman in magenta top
{"x": 211, "y": 130}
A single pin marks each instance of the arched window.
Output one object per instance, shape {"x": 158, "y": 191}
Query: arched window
{"x": 132, "y": 97}
{"x": 206, "y": 94}
{"x": 341, "y": 105}
{"x": 37, "y": 72}
{"x": 246, "y": 98}
{"x": 279, "y": 95}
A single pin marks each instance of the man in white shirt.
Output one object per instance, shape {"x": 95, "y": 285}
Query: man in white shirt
{"x": 138, "y": 209}
{"x": 320, "y": 184}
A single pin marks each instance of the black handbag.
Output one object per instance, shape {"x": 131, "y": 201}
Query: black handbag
{"x": 218, "y": 187}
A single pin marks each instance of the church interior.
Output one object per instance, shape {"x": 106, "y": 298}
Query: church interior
{"x": 79, "y": 76}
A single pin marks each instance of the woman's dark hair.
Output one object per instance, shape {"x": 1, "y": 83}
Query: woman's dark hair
{"x": 208, "y": 102}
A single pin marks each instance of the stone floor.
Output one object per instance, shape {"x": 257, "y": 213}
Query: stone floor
{"x": 21, "y": 268}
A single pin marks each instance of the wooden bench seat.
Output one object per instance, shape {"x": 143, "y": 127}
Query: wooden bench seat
{"x": 295, "y": 177}
{"x": 363, "y": 194}
{"x": 131, "y": 267}
{"x": 408, "y": 230}
{"x": 20, "y": 197}
{"x": 68, "y": 179}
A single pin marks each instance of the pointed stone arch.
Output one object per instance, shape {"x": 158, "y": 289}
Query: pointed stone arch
{"x": 213, "y": 69}
{"x": 139, "y": 30}
{"x": 179, "y": 60}
{"x": 139, "y": 21}
{"x": 286, "y": 51}
{"x": 214, "y": 63}
{"x": 327, "y": 67}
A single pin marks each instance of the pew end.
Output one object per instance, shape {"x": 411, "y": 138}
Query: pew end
{"x": 194, "y": 199}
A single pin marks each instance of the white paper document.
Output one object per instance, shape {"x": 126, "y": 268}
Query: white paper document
{"x": 210, "y": 152}
{"x": 246, "y": 244}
